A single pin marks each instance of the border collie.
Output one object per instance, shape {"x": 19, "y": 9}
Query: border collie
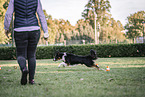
{"x": 71, "y": 59}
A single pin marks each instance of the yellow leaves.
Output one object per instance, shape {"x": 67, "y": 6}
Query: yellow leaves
{"x": 3, "y": 38}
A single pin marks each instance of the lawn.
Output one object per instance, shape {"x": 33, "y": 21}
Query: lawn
{"x": 126, "y": 78}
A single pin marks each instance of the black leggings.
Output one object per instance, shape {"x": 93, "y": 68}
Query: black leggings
{"x": 26, "y": 44}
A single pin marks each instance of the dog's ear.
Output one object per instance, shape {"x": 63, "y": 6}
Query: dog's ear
{"x": 93, "y": 54}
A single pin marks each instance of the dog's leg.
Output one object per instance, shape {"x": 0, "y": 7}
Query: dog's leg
{"x": 96, "y": 66}
{"x": 64, "y": 64}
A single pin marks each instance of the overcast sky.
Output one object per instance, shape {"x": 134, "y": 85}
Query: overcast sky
{"x": 72, "y": 9}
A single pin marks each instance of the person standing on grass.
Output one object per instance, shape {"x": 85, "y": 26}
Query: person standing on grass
{"x": 26, "y": 33}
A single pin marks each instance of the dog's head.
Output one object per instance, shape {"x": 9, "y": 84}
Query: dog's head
{"x": 59, "y": 56}
{"x": 93, "y": 54}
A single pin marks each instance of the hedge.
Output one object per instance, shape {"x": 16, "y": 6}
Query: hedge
{"x": 111, "y": 50}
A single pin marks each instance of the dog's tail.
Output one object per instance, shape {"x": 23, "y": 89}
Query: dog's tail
{"x": 93, "y": 54}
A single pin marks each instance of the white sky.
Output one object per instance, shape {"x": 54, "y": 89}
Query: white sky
{"x": 72, "y": 9}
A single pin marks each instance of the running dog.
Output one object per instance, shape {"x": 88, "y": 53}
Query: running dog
{"x": 71, "y": 59}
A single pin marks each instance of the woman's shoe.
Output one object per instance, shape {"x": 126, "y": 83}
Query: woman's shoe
{"x": 32, "y": 82}
{"x": 24, "y": 77}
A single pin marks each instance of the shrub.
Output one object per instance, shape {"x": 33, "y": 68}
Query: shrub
{"x": 7, "y": 53}
{"x": 111, "y": 50}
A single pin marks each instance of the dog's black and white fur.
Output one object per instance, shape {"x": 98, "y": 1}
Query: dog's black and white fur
{"x": 71, "y": 59}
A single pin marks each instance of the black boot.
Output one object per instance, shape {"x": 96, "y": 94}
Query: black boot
{"x": 24, "y": 77}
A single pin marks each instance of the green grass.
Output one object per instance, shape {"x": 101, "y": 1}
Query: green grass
{"x": 126, "y": 78}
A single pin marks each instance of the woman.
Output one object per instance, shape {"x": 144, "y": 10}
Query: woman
{"x": 26, "y": 33}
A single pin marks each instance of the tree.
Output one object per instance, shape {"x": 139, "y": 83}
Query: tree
{"x": 84, "y": 31}
{"x": 3, "y": 7}
{"x": 99, "y": 7}
{"x": 134, "y": 26}
{"x": 108, "y": 28}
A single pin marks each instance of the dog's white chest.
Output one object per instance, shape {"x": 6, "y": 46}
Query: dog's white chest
{"x": 63, "y": 57}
